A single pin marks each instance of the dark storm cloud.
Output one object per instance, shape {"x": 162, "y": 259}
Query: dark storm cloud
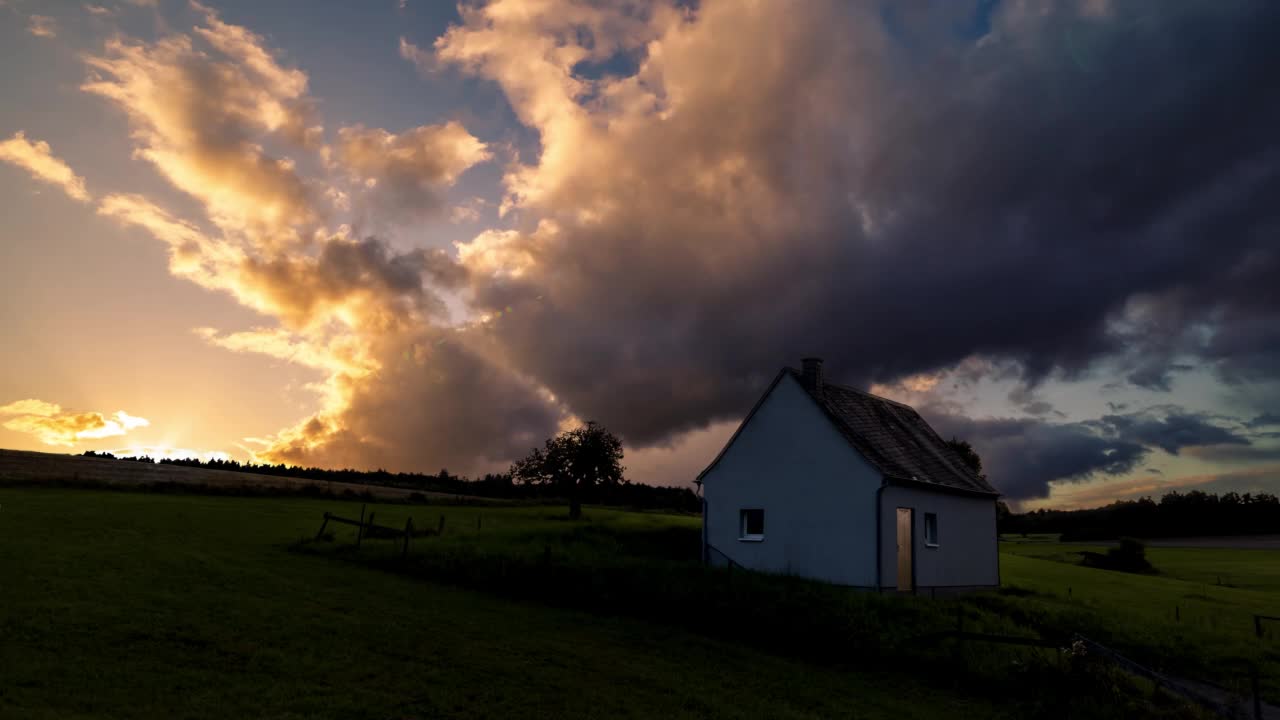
{"x": 1022, "y": 456}
{"x": 434, "y": 402}
{"x": 1026, "y": 399}
{"x": 896, "y": 209}
{"x": 1171, "y": 432}
{"x": 1236, "y": 453}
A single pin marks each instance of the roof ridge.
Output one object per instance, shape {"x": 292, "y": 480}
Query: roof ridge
{"x": 891, "y": 401}
{"x": 850, "y": 388}
{"x": 891, "y": 436}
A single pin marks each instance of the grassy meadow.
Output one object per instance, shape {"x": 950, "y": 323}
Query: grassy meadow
{"x": 1194, "y": 616}
{"x": 1246, "y": 569}
{"x": 120, "y": 604}
{"x": 129, "y": 605}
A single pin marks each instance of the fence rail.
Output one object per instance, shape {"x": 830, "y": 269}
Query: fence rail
{"x": 367, "y": 528}
{"x": 732, "y": 563}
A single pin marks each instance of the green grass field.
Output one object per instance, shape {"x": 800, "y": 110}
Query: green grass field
{"x": 124, "y": 605}
{"x": 119, "y": 604}
{"x": 1245, "y": 569}
{"x": 1179, "y": 618}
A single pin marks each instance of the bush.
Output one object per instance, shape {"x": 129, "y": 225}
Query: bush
{"x": 1130, "y": 556}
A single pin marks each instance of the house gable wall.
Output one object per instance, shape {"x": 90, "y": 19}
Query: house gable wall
{"x": 818, "y": 494}
{"x": 966, "y": 555}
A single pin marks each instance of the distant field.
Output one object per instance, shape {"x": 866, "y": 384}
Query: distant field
{"x": 1240, "y": 568}
{"x": 128, "y": 605}
{"x": 26, "y": 468}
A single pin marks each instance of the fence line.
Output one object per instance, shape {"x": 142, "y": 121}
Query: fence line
{"x": 1174, "y": 685}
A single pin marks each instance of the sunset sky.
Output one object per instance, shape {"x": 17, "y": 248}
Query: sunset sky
{"x": 413, "y": 235}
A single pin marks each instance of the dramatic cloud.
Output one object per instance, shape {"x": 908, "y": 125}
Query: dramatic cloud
{"x": 51, "y": 425}
{"x": 1265, "y": 420}
{"x": 882, "y": 191}
{"x": 1172, "y": 432}
{"x": 399, "y": 389}
{"x": 718, "y": 188}
{"x": 1023, "y": 456}
{"x": 38, "y": 159}
{"x": 202, "y": 121}
{"x": 1261, "y": 479}
{"x": 31, "y": 407}
{"x": 404, "y": 174}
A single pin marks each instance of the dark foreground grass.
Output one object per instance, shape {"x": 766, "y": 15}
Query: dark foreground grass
{"x": 645, "y": 566}
{"x": 116, "y": 605}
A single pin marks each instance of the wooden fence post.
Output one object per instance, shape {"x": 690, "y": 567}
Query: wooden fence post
{"x": 360, "y": 527}
{"x": 1257, "y": 692}
{"x": 1257, "y": 625}
{"x": 323, "y": 525}
{"x": 440, "y": 527}
{"x": 958, "y": 648}
{"x": 408, "y": 530}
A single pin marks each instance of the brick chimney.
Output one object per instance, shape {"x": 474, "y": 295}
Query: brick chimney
{"x": 811, "y": 374}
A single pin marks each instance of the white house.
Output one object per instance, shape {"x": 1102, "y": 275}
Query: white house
{"x": 836, "y": 484}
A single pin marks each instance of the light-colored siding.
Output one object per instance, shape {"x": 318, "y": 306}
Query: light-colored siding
{"x": 817, "y": 492}
{"x": 966, "y": 552}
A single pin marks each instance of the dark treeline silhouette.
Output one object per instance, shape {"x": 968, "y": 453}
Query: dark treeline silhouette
{"x": 491, "y": 485}
{"x": 1175, "y": 515}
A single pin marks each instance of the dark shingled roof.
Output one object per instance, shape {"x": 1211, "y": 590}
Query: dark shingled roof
{"x": 895, "y": 439}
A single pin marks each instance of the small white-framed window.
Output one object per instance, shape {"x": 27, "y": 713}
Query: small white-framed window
{"x": 751, "y": 524}
{"x": 931, "y": 529}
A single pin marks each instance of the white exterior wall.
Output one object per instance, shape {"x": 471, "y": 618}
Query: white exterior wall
{"x": 966, "y": 555}
{"x": 818, "y": 494}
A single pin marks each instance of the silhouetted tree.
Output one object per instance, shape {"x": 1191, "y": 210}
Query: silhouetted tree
{"x": 1002, "y": 516}
{"x": 575, "y": 461}
{"x": 967, "y": 454}
{"x": 498, "y": 485}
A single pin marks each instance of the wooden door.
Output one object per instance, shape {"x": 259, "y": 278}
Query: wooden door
{"x": 906, "y": 574}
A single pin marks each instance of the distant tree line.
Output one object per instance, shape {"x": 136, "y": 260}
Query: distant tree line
{"x": 1176, "y": 514}
{"x": 490, "y": 485}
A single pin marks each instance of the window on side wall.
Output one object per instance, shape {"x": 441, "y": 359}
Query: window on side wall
{"x": 931, "y": 529}
{"x": 751, "y": 525}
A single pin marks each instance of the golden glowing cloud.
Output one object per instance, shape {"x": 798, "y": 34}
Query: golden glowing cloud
{"x": 164, "y": 452}
{"x": 198, "y": 120}
{"x": 37, "y": 159}
{"x": 51, "y": 425}
{"x": 31, "y": 407}
{"x": 203, "y": 109}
